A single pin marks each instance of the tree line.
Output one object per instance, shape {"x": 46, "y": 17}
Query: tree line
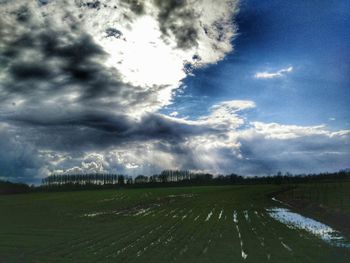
{"x": 183, "y": 177}
{"x": 7, "y": 187}
{"x": 63, "y": 182}
{"x": 85, "y": 179}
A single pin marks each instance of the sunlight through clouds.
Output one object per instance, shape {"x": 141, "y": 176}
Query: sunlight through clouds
{"x": 84, "y": 84}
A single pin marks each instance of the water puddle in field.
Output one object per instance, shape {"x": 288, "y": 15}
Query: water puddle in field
{"x": 221, "y": 213}
{"x": 113, "y": 198}
{"x": 246, "y": 216}
{"x": 244, "y": 255}
{"x": 181, "y": 195}
{"x": 297, "y": 221}
{"x": 235, "y": 217}
{"x": 274, "y": 199}
{"x": 286, "y": 246}
{"x": 209, "y": 216}
{"x": 279, "y": 201}
{"x": 142, "y": 211}
{"x": 138, "y": 210}
{"x": 94, "y": 214}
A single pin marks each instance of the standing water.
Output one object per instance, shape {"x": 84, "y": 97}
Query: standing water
{"x": 294, "y": 220}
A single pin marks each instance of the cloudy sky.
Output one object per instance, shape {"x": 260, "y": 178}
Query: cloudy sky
{"x": 138, "y": 86}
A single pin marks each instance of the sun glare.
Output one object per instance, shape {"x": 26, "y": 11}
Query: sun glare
{"x": 142, "y": 56}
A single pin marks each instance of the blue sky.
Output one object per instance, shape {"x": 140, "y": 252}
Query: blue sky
{"x": 311, "y": 36}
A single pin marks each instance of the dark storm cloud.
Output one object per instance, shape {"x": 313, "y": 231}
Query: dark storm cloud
{"x": 136, "y": 6}
{"x": 43, "y": 2}
{"x": 43, "y": 66}
{"x": 77, "y": 131}
{"x": 26, "y": 71}
{"x": 76, "y": 66}
{"x": 63, "y": 63}
{"x": 72, "y": 61}
{"x": 170, "y": 13}
{"x": 19, "y": 161}
{"x": 89, "y": 4}
{"x": 73, "y": 56}
{"x": 113, "y": 32}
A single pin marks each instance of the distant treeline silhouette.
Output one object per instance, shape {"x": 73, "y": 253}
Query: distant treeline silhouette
{"x": 85, "y": 179}
{"x": 63, "y": 182}
{"x": 7, "y": 187}
{"x": 178, "y": 177}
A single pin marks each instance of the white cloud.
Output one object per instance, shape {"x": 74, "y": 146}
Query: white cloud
{"x": 91, "y": 163}
{"x": 227, "y": 142}
{"x": 285, "y": 132}
{"x": 234, "y": 105}
{"x": 271, "y": 75}
{"x": 142, "y": 54}
{"x": 224, "y": 115}
{"x": 279, "y": 131}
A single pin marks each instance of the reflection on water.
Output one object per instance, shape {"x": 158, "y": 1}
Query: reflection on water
{"x": 297, "y": 221}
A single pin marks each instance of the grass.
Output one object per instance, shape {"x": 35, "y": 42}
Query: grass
{"x": 335, "y": 195}
{"x": 154, "y": 225}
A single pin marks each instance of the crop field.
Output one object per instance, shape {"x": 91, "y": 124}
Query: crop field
{"x": 189, "y": 224}
{"x": 335, "y": 195}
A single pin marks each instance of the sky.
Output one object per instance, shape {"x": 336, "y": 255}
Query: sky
{"x": 134, "y": 87}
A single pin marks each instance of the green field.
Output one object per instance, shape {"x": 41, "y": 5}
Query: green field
{"x": 190, "y": 224}
{"x": 335, "y": 196}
